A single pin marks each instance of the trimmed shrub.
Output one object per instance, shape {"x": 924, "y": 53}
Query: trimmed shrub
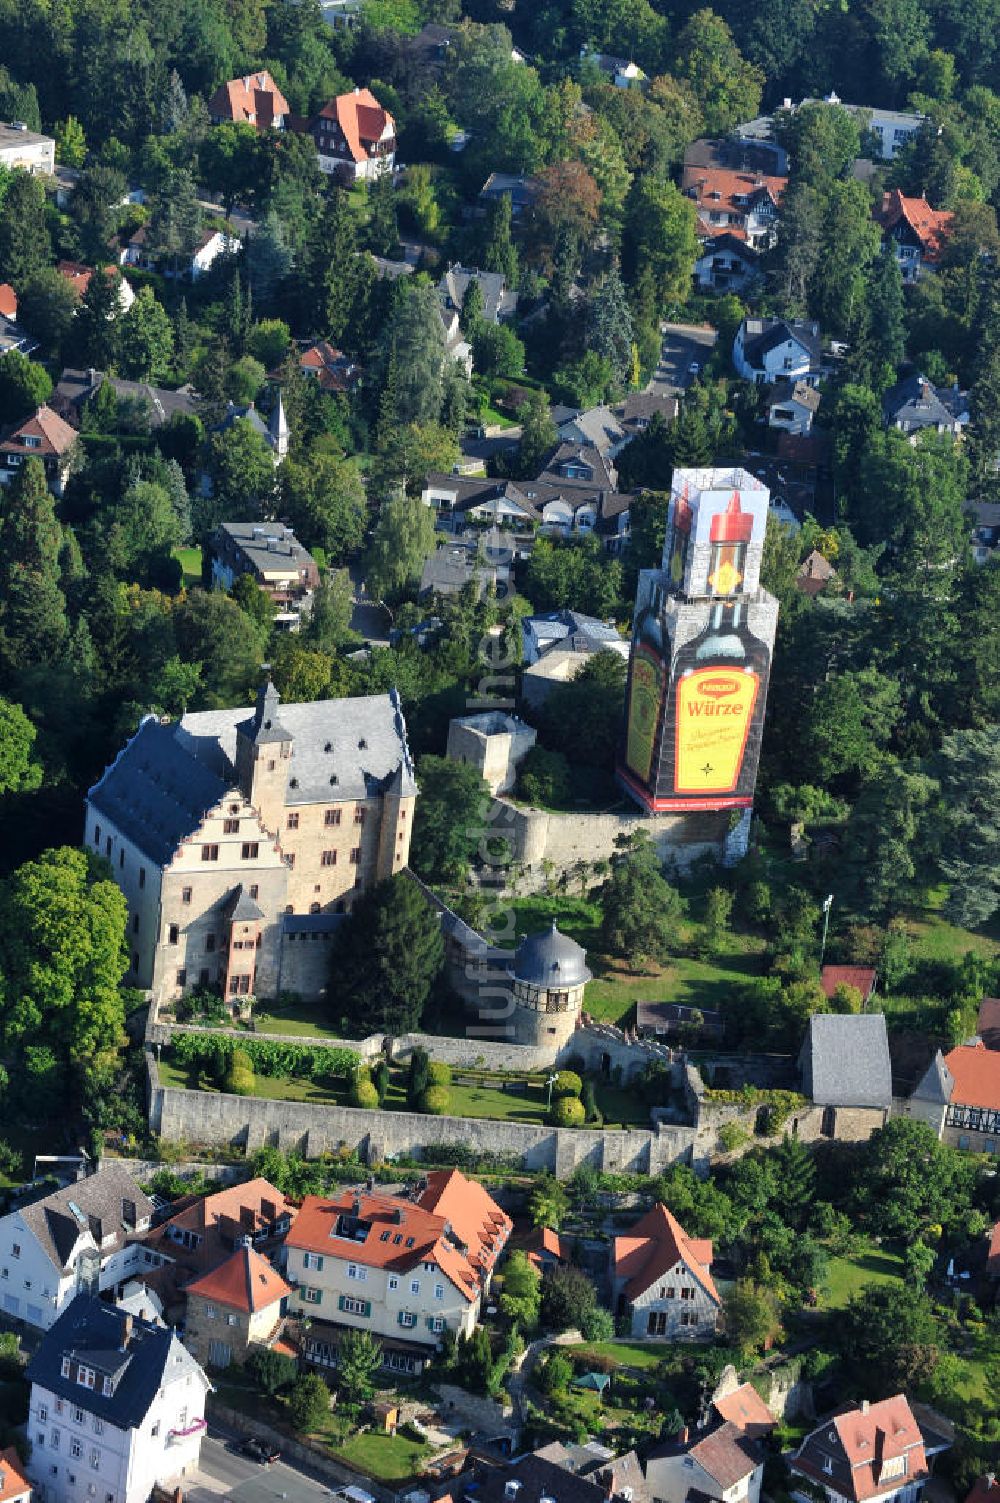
{"x": 567, "y": 1083}
{"x": 435, "y": 1101}
{"x": 439, "y": 1074}
{"x": 589, "y": 1099}
{"x": 380, "y": 1079}
{"x": 364, "y": 1093}
{"x": 239, "y": 1076}
{"x": 568, "y": 1111}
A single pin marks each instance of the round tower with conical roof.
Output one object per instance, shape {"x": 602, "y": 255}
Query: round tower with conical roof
{"x": 548, "y": 978}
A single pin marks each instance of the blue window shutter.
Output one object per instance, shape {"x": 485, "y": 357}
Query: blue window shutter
{"x": 319, "y": 1261}
{"x": 340, "y": 1302}
{"x": 368, "y": 1307}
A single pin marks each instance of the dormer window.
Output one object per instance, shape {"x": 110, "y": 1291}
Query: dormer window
{"x": 86, "y": 1376}
{"x": 108, "y": 1388}
{"x": 65, "y": 1367}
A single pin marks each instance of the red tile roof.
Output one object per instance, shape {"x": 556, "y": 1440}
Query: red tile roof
{"x": 931, "y": 226}
{"x": 976, "y": 1072}
{"x": 8, "y": 300}
{"x": 727, "y": 1455}
{"x": 55, "y": 436}
{"x": 240, "y": 1206}
{"x": 255, "y": 98}
{"x": 542, "y": 1239}
{"x": 861, "y": 977}
{"x": 866, "y": 1438}
{"x": 246, "y": 1281}
{"x": 13, "y": 1482}
{"x": 653, "y": 1247}
{"x": 720, "y": 190}
{"x": 745, "y": 1408}
{"x": 76, "y": 274}
{"x": 362, "y": 121}
{"x": 399, "y": 1235}
{"x": 472, "y": 1213}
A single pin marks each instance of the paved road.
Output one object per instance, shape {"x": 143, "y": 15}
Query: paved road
{"x": 683, "y": 346}
{"x": 224, "y": 1474}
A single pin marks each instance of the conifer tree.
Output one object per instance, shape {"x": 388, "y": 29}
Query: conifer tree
{"x": 33, "y": 623}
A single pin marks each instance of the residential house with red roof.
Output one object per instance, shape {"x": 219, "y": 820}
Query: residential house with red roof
{"x": 916, "y": 232}
{"x": 254, "y": 99}
{"x": 737, "y": 219}
{"x": 406, "y": 1269}
{"x": 45, "y": 436}
{"x": 233, "y": 1308}
{"x": 8, "y": 301}
{"x": 661, "y": 1279}
{"x": 78, "y": 276}
{"x": 725, "y": 1460}
{"x": 860, "y": 977}
{"x": 868, "y": 1453}
{"x": 14, "y": 1485}
{"x": 959, "y": 1097}
{"x": 330, "y": 367}
{"x": 355, "y": 137}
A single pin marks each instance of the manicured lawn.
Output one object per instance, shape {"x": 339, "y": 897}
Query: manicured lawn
{"x": 389, "y": 1458}
{"x": 976, "y": 1351}
{"x": 303, "y": 1019}
{"x": 190, "y": 562}
{"x": 638, "y": 1354}
{"x": 847, "y": 1276}
{"x": 617, "y": 1106}
{"x": 934, "y": 938}
{"x": 327, "y": 1091}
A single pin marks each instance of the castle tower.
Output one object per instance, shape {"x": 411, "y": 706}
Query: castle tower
{"x": 702, "y": 638}
{"x": 278, "y": 430}
{"x": 548, "y": 978}
{"x": 263, "y": 754}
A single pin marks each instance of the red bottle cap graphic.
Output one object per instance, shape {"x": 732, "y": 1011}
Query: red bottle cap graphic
{"x": 732, "y": 525}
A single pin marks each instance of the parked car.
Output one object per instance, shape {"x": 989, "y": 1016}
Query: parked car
{"x": 353, "y": 1495}
{"x": 260, "y": 1450}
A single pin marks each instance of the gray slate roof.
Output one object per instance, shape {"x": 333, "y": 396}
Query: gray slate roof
{"x": 596, "y": 426}
{"x": 914, "y": 403}
{"x": 99, "y": 1200}
{"x": 765, "y": 334}
{"x": 497, "y": 301}
{"x": 93, "y": 1331}
{"x": 167, "y": 778}
{"x": 267, "y": 544}
{"x": 551, "y": 958}
{"x": 936, "y": 1084}
{"x": 845, "y": 1060}
{"x": 76, "y": 387}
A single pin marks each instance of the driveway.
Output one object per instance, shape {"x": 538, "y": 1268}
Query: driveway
{"x": 223, "y": 1474}
{"x": 368, "y": 618}
{"x": 683, "y": 345}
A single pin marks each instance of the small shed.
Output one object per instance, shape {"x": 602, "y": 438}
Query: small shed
{"x": 385, "y": 1418}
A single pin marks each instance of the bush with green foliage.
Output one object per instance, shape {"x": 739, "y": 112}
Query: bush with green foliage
{"x": 439, "y": 1074}
{"x": 568, "y": 1296}
{"x": 271, "y": 1371}
{"x": 435, "y": 1101}
{"x": 566, "y": 1083}
{"x": 364, "y": 1092}
{"x": 308, "y": 1403}
{"x": 568, "y": 1111}
{"x": 419, "y": 1075}
{"x": 239, "y": 1080}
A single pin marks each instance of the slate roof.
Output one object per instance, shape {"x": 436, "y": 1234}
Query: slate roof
{"x": 538, "y": 1478}
{"x": 93, "y": 1332}
{"x": 577, "y": 455}
{"x": 596, "y": 426}
{"x": 796, "y": 391}
{"x": 75, "y": 387}
{"x": 641, "y": 405}
{"x": 167, "y": 778}
{"x": 550, "y": 958}
{"x": 620, "y": 1476}
{"x": 99, "y": 1199}
{"x": 762, "y": 335}
{"x": 496, "y": 299}
{"x": 268, "y": 546}
{"x": 522, "y": 190}
{"x": 13, "y": 337}
{"x": 914, "y": 403}
{"x": 845, "y": 1060}
{"x": 245, "y": 1281}
{"x": 655, "y": 1244}
{"x": 557, "y": 626}
{"x": 936, "y": 1084}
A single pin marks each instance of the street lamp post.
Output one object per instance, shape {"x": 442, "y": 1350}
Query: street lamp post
{"x": 550, "y": 1083}
{"x": 826, "y": 924}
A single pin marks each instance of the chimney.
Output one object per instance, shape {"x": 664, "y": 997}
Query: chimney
{"x": 126, "y": 1331}
{"x": 356, "y": 1206}
{"x": 511, "y": 1489}
{"x": 682, "y": 1435}
{"x": 129, "y": 1214}
{"x": 248, "y": 1219}
{"x": 864, "y": 1406}
{"x": 269, "y": 1211}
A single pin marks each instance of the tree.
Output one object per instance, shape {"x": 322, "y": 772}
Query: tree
{"x": 359, "y": 1357}
{"x": 497, "y": 351}
{"x": 239, "y": 1076}
{"x": 331, "y": 283}
{"x": 538, "y": 434}
{"x": 387, "y": 959}
{"x": 596, "y": 693}
{"x": 718, "y": 908}
{"x": 24, "y": 386}
{"x": 450, "y": 819}
{"x": 968, "y": 822}
{"x": 382, "y": 231}
{"x": 548, "y": 1202}
{"x": 47, "y": 305}
{"x": 324, "y": 502}
{"x": 641, "y": 911}
{"x": 499, "y": 252}
{"x": 271, "y": 1371}
{"x": 727, "y": 87}
{"x": 883, "y": 851}
{"x": 145, "y": 339}
{"x": 522, "y": 1291}
{"x": 267, "y": 261}
{"x": 568, "y": 1296}
{"x": 213, "y": 632}
{"x": 33, "y": 624}
{"x": 886, "y": 319}
{"x": 24, "y": 237}
{"x": 823, "y": 140}
{"x": 19, "y": 772}
{"x": 888, "y": 1337}
{"x": 229, "y": 158}
{"x": 751, "y": 1317}
{"x": 63, "y": 957}
{"x": 796, "y": 1181}
{"x": 329, "y": 623}
{"x": 849, "y": 726}
{"x": 94, "y": 334}
{"x": 661, "y": 238}
{"x": 906, "y": 1180}
{"x": 849, "y": 241}
{"x": 609, "y": 326}
{"x": 403, "y": 538}
{"x": 568, "y": 203}
{"x": 241, "y": 467}
{"x": 413, "y": 341}
{"x": 308, "y": 1403}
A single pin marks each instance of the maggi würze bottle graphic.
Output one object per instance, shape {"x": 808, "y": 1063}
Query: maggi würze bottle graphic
{"x": 717, "y": 678}
{"x": 730, "y": 534}
{"x": 680, "y": 541}
{"x": 647, "y": 683}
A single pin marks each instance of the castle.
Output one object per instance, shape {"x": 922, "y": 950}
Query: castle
{"x": 241, "y": 839}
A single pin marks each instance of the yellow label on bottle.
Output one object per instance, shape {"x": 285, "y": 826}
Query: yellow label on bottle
{"x": 726, "y": 579}
{"x": 714, "y": 710}
{"x": 648, "y": 672}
